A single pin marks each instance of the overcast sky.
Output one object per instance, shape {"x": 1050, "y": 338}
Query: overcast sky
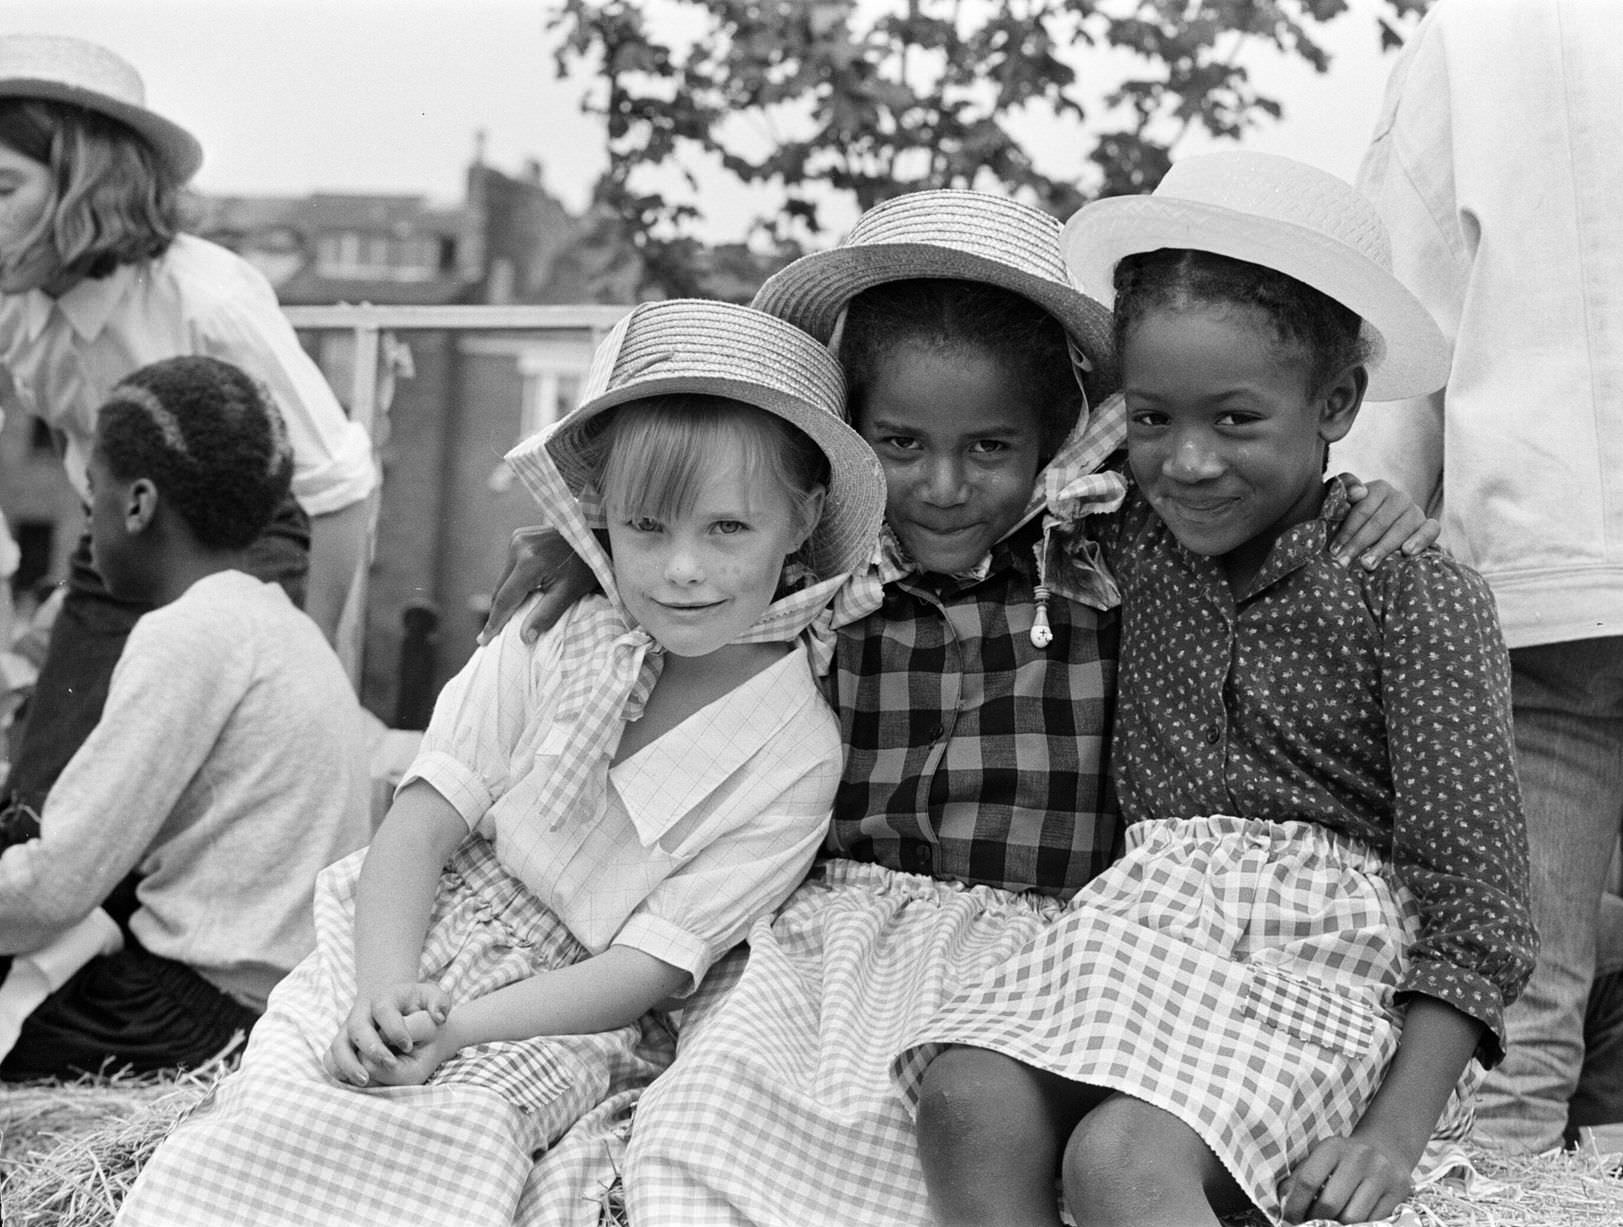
{"x": 293, "y": 96}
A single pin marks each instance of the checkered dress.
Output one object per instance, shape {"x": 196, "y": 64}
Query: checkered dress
{"x": 1237, "y": 973}
{"x": 280, "y": 1143}
{"x": 780, "y": 1110}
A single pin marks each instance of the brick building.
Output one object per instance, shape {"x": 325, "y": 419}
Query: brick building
{"x": 459, "y": 400}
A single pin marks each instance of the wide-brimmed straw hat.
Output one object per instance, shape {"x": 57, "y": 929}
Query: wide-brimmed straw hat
{"x": 1284, "y": 215}
{"x": 61, "y": 69}
{"x": 962, "y": 235}
{"x": 722, "y": 349}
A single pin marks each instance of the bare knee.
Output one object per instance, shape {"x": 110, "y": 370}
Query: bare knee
{"x": 967, "y": 1091}
{"x": 988, "y": 1139}
{"x": 1130, "y": 1162}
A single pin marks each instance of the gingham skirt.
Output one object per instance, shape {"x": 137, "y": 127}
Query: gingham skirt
{"x": 280, "y": 1143}
{"x": 779, "y": 1108}
{"x": 1239, "y": 974}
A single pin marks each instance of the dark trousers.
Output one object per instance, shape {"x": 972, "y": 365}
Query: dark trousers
{"x": 132, "y": 1010}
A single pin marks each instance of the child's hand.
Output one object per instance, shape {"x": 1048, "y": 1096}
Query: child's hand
{"x": 538, "y": 560}
{"x": 416, "y": 1067}
{"x": 1383, "y": 520}
{"x": 1350, "y": 1180}
{"x": 381, "y": 1031}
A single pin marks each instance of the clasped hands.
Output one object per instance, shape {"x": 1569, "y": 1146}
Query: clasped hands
{"x": 396, "y": 1037}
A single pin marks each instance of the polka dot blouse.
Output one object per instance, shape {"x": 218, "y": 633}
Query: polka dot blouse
{"x": 1376, "y": 704}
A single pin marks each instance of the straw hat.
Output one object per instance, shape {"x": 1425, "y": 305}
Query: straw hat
{"x": 60, "y": 69}
{"x": 968, "y": 236}
{"x": 722, "y": 349}
{"x": 1283, "y": 215}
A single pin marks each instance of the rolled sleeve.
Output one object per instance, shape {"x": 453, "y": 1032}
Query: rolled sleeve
{"x": 479, "y": 738}
{"x": 332, "y": 455}
{"x": 454, "y": 780}
{"x": 669, "y": 942}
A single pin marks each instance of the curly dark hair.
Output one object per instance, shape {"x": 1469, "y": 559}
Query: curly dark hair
{"x": 208, "y": 437}
{"x": 946, "y": 316}
{"x": 1302, "y": 318}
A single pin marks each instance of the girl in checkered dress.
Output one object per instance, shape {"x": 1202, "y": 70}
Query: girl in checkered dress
{"x": 974, "y": 668}
{"x": 1273, "y": 998}
{"x": 592, "y": 821}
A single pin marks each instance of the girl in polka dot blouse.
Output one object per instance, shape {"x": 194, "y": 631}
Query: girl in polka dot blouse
{"x": 1283, "y": 994}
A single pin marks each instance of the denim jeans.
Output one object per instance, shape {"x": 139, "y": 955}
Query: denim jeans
{"x": 1569, "y": 743}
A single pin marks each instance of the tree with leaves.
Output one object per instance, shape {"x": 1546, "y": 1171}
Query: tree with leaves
{"x": 809, "y": 98}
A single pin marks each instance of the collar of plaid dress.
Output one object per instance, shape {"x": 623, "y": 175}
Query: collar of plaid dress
{"x": 1287, "y": 216}
{"x": 610, "y": 666}
{"x": 1070, "y": 488}
{"x": 948, "y": 234}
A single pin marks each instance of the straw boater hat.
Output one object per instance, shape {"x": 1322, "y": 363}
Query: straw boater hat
{"x": 969, "y": 236}
{"x": 60, "y": 69}
{"x": 1283, "y": 215}
{"x": 722, "y": 349}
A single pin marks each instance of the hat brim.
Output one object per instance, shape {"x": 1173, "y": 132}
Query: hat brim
{"x": 178, "y": 148}
{"x": 843, "y": 539}
{"x": 814, "y": 291}
{"x": 1411, "y": 356}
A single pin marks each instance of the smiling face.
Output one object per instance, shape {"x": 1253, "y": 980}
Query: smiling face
{"x": 1224, "y": 435}
{"x": 27, "y": 261}
{"x": 960, "y": 451}
{"x": 699, "y": 579}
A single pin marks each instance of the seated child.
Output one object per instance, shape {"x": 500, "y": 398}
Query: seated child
{"x": 227, "y": 768}
{"x": 593, "y": 819}
{"x": 1322, "y": 911}
{"x": 974, "y": 680}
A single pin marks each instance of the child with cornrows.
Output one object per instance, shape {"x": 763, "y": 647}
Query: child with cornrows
{"x": 228, "y": 768}
{"x": 974, "y": 677}
{"x": 97, "y": 279}
{"x": 593, "y": 820}
{"x": 1322, "y": 912}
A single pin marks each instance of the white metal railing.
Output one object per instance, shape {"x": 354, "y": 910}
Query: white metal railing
{"x": 370, "y": 325}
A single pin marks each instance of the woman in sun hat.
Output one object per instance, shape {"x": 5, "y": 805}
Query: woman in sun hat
{"x": 593, "y": 820}
{"x": 1272, "y": 999}
{"x": 96, "y": 280}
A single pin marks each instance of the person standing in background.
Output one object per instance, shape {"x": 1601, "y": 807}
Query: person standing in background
{"x": 97, "y": 279}
{"x": 1497, "y": 165}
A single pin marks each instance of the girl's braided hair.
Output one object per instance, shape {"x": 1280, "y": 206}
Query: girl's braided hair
{"x": 949, "y": 316}
{"x": 208, "y": 437}
{"x": 114, "y": 200}
{"x": 1303, "y": 318}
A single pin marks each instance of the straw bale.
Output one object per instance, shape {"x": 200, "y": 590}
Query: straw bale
{"x": 69, "y": 1154}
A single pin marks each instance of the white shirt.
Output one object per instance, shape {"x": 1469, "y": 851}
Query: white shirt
{"x": 229, "y": 766}
{"x": 1498, "y": 168}
{"x": 64, "y": 355}
{"x": 735, "y": 800}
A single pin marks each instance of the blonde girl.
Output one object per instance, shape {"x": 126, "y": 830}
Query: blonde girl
{"x": 593, "y": 820}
